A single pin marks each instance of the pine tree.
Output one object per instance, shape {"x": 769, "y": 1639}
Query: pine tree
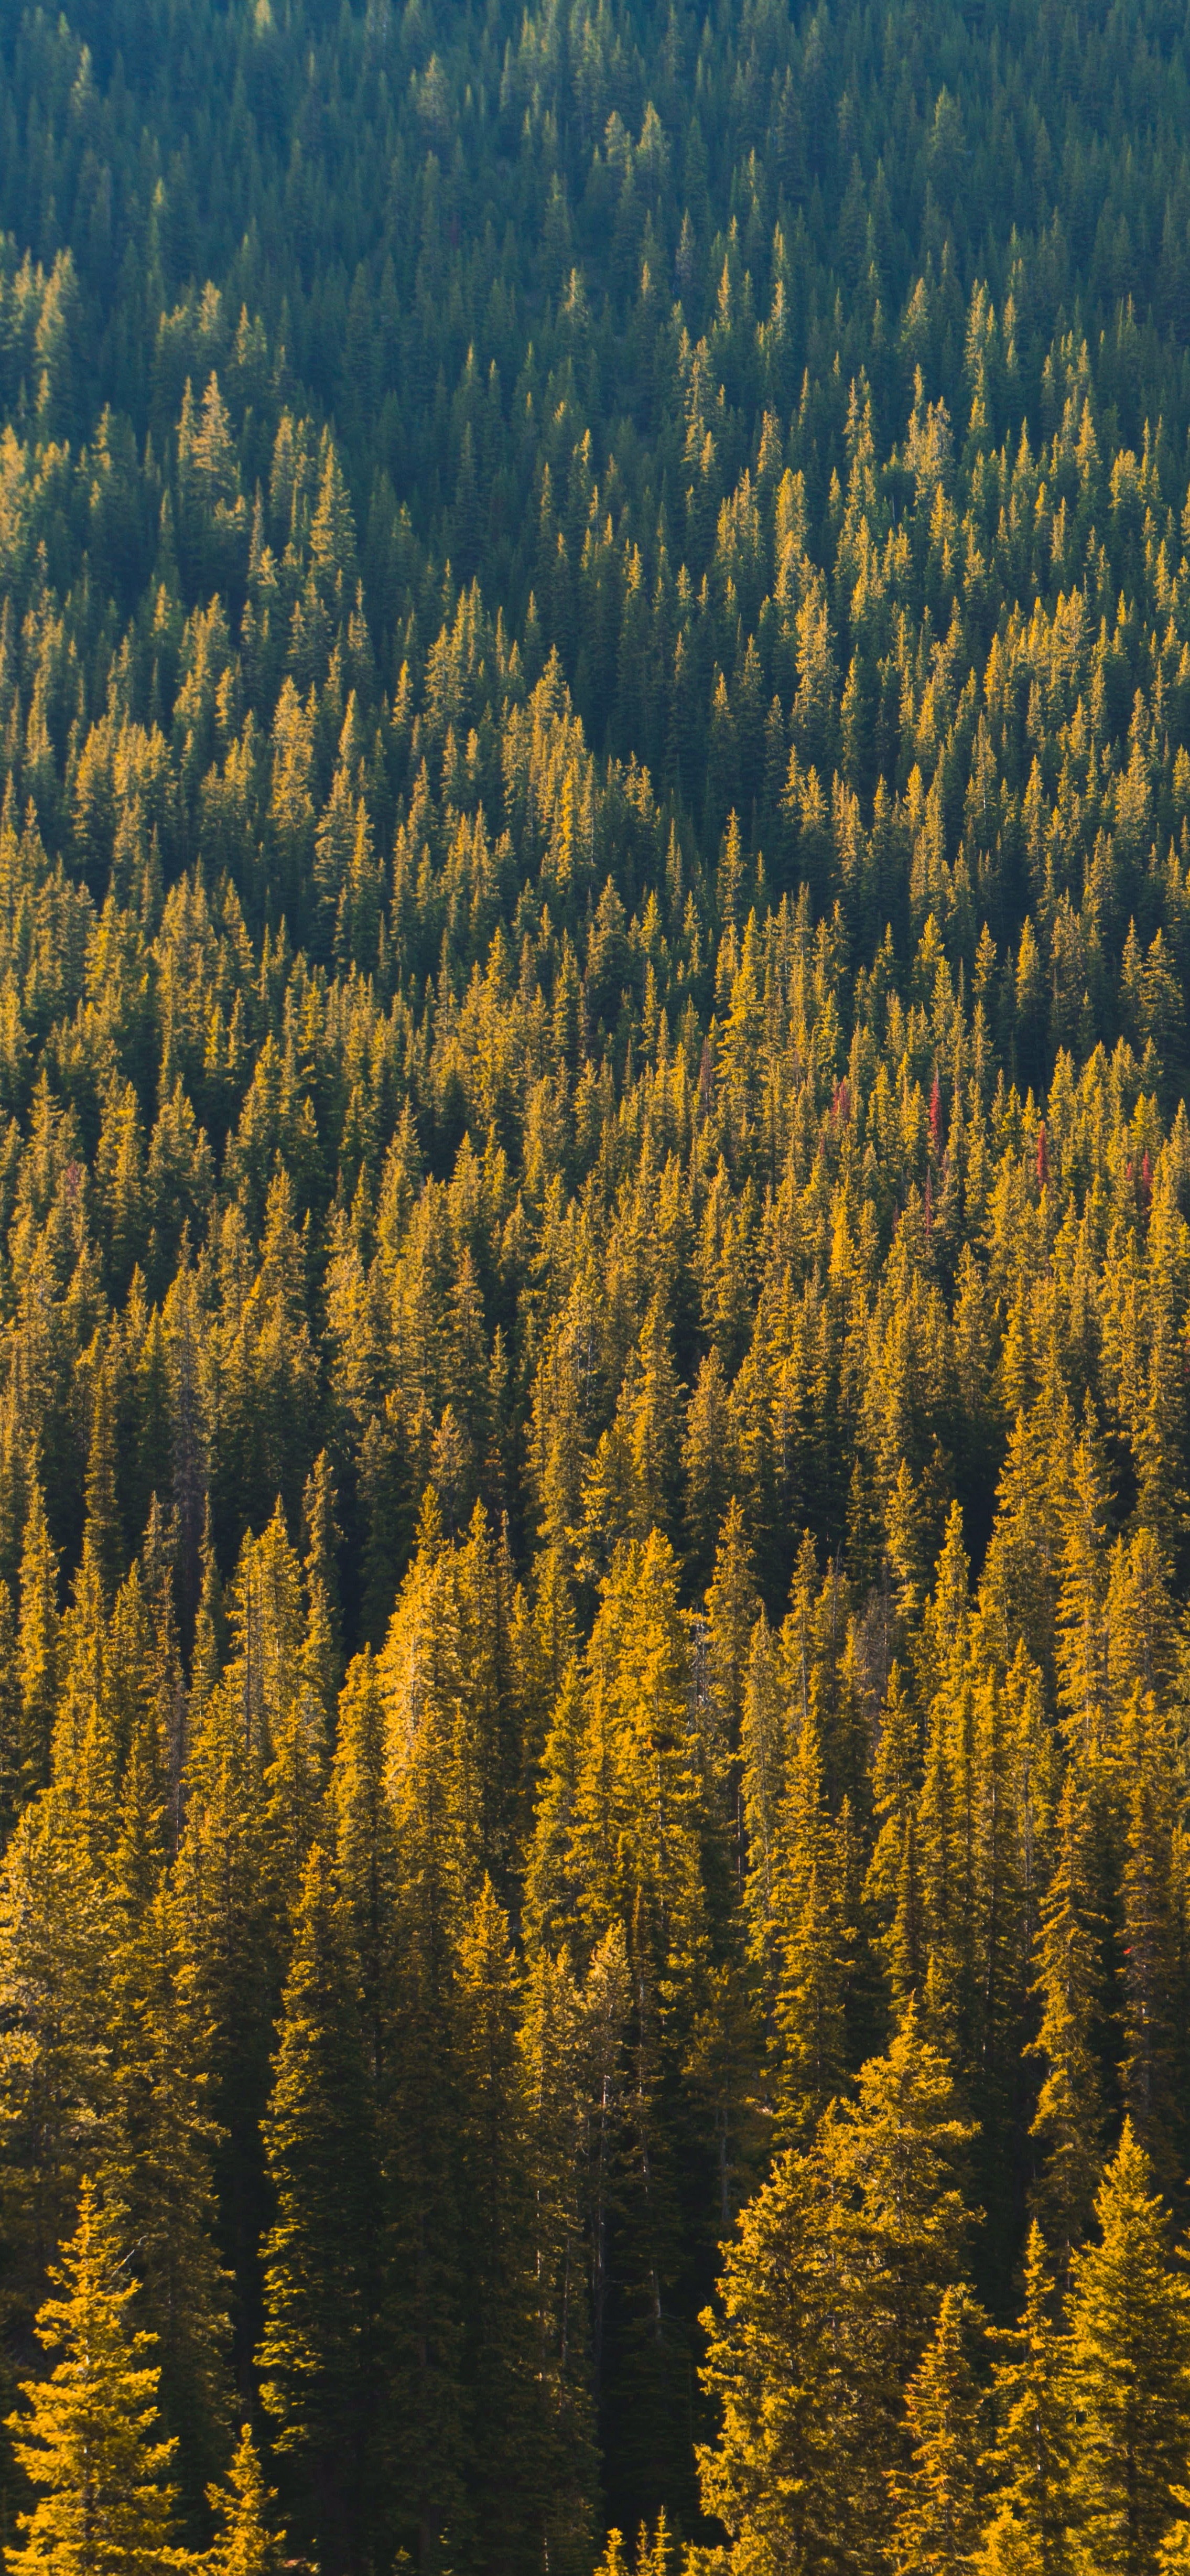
{"x": 556, "y": 2072}
{"x": 724, "y": 2071}
{"x": 1069, "y": 2117}
{"x": 91, "y": 2438}
{"x": 1082, "y": 1649}
{"x": 322, "y": 1660}
{"x": 365, "y": 1853}
{"x": 435, "y": 1823}
{"x": 232, "y": 1949}
{"x": 892, "y": 1889}
{"x": 1129, "y": 2372}
{"x": 158, "y": 2165}
{"x": 248, "y": 2541}
{"x": 936, "y": 2499}
{"x": 765, "y": 1751}
{"x": 56, "y": 1942}
{"x": 319, "y": 2259}
{"x": 510, "y": 2504}
{"x": 732, "y": 1606}
{"x": 778, "y": 2476}
{"x": 1030, "y": 2464}
{"x": 12, "y": 1784}
{"x": 814, "y": 1946}
{"x": 831, "y": 2292}
{"x": 38, "y": 1646}
{"x": 892, "y": 2162}
{"x": 1152, "y": 1939}
{"x": 104, "y": 1528}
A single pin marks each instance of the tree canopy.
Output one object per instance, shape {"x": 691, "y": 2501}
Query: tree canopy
{"x": 594, "y": 1287}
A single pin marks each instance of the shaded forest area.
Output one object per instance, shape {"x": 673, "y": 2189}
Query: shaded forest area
{"x": 595, "y": 1288}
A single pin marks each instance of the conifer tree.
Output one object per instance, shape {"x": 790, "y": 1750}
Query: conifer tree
{"x": 510, "y": 2498}
{"x": 766, "y": 1751}
{"x": 231, "y": 1954}
{"x": 248, "y": 2540}
{"x": 159, "y": 2159}
{"x": 103, "y": 1510}
{"x": 38, "y": 1646}
{"x": 319, "y": 2258}
{"x": 936, "y": 2499}
{"x": 322, "y": 1647}
{"x": 56, "y": 1941}
{"x": 365, "y": 1852}
{"x": 778, "y": 2475}
{"x": 732, "y": 1606}
{"x": 1069, "y": 2117}
{"x": 1031, "y": 2461}
{"x": 91, "y": 2439}
{"x": 1129, "y": 2371}
{"x": 831, "y": 2291}
{"x": 892, "y": 1889}
{"x": 435, "y": 1825}
{"x": 894, "y": 2158}
{"x": 12, "y": 1786}
{"x": 1154, "y": 1984}
{"x": 814, "y": 1945}
{"x": 552, "y": 2042}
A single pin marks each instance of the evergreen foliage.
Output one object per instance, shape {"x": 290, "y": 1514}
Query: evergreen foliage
{"x": 91, "y": 2439}
{"x": 594, "y": 1287}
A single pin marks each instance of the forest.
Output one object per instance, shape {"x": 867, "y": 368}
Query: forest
{"x": 594, "y": 1288}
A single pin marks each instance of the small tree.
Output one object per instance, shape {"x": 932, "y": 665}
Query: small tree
{"x": 91, "y": 2438}
{"x": 936, "y": 2499}
{"x": 249, "y": 2543}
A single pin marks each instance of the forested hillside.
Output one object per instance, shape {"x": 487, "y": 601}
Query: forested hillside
{"x": 594, "y": 1288}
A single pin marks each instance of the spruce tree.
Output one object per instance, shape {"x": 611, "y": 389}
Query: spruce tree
{"x": 1152, "y": 1940}
{"x": 39, "y": 1647}
{"x": 1030, "y": 2463}
{"x": 162, "y": 2141}
{"x": 552, "y": 2041}
{"x": 1068, "y": 2123}
{"x": 158, "y": 2163}
{"x": 809, "y": 2009}
{"x": 779, "y": 2475}
{"x": 1129, "y": 2372}
{"x": 510, "y": 2495}
{"x": 732, "y": 1606}
{"x": 248, "y": 2539}
{"x": 936, "y": 2498}
{"x": 892, "y": 1891}
{"x": 435, "y": 1825}
{"x": 365, "y": 1852}
{"x": 316, "y": 2357}
{"x": 91, "y": 2439}
{"x": 897, "y": 2154}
